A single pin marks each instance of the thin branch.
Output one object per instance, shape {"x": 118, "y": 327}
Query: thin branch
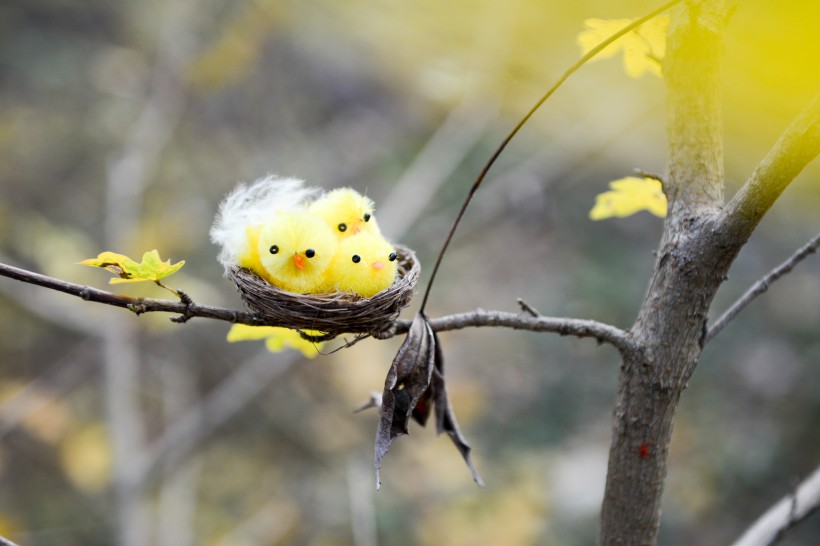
{"x": 772, "y": 526}
{"x": 603, "y": 333}
{"x": 479, "y": 318}
{"x": 432, "y": 166}
{"x": 761, "y": 286}
{"x": 795, "y": 148}
{"x": 48, "y": 306}
{"x": 137, "y": 305}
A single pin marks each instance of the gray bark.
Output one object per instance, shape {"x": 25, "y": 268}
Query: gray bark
{"x": 700, "y": 241}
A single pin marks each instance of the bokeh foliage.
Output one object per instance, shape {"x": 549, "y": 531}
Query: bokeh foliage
{"x": 349, "y": 94}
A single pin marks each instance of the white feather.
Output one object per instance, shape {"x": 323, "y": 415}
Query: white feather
{"x": 253, "y": 204}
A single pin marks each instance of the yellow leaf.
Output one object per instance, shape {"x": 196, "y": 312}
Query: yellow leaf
{"x": 276, "y": 339}
{"x": 628, "y": 196}
{"x": 150, "y": 269}
{"x": 86, "y": 458}
{"x": 643, "y": 47}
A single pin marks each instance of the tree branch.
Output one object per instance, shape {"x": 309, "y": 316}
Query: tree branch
{"x": 137, "y": 305}
{"x": 761, "y": 286}
{"x": 479, "y": 318}
{"x": 772, "y": 526}
{"x": 603, "y": 333}
{"x": 46, "y": 306}
{"x": 795, "y": 148}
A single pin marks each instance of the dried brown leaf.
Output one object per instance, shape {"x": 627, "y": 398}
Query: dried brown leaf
{"x": 407, "y": 381}
{"x": 414, "y": 388}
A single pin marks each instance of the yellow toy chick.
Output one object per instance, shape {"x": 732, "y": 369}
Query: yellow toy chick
{"x": 293, "y": 251}
{"x": 242, "y": 212}
{"x": 365, "y": 264}
{"x": 346, "y": 211}
{"x": 249, "y": 257}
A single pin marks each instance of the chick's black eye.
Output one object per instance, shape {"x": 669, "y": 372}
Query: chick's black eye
{"x": 356, "y": 258}
{"x": 342, "y": 227}
{"x": 274, "y": 249}
{"x": 392, "y": 257}
{"x": 366, "y": 216}
{"x": 310, "y": 253}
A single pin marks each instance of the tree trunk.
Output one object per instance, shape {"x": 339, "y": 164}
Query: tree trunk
{"x": 692, "y": 262}
{"x": 667, "y": 338}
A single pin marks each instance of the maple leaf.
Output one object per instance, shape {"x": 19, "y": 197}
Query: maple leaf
{"x": 276, "y": 338}
{"x": 151, "y": 268}
{"x": 643, "y": 48}
{"x": 628, "y": 196}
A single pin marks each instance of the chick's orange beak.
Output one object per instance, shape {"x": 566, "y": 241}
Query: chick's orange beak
{"x": 378, "y": 265}
{"x": 298, "y": 260}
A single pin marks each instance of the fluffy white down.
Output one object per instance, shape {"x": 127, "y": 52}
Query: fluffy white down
{"x": 253, "y": 204}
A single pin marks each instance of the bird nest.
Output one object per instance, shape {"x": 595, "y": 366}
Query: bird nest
{"x": 331, "y": 314}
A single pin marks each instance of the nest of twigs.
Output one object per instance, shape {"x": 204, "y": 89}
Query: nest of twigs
{"x": 331, "y": 314}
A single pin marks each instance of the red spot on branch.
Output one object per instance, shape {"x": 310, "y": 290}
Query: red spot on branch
{"x": 644, "y": 451}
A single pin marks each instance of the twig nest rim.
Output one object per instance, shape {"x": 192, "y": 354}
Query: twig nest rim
{"x": 333, "y": 314}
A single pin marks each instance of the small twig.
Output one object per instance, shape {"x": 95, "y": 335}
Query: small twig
{"x": 650, "y": 174}
{"x": 791, "y": 510}
{"x": 186, "y": 299}
{"x": 6, "y": 542}
{"x": 527, "y": 308}
{"x": 375, "y": 401}
{"x": 761, "y": 286}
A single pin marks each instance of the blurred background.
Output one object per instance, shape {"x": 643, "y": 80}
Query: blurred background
{"x": 123, "y": 124}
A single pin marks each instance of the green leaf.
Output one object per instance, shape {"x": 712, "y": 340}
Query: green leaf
{"x": 150, "y": 269}
{"x": 628, "y": 196}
